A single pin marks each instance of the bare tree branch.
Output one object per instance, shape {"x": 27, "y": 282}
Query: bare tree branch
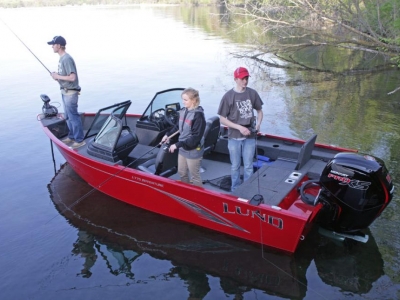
{"x": 394, "y": 91}
{"x": 301, "y": 24}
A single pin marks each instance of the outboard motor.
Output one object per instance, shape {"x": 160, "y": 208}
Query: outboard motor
{"x": 47, "y": 109}
{"x": 355, "y": 189}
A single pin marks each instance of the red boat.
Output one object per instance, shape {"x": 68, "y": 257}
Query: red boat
{"x": 296, "y": 183}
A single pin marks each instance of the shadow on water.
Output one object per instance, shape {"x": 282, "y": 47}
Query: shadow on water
{"x": 116, "y": 234}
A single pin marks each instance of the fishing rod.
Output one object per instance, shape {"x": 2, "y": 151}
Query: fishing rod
{"x": 112, "y": 176}
{"x": 257, "y": 198}
{"x": 25, "y": 46}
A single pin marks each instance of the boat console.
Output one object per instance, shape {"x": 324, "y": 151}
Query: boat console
{"x": 156, "y": 122}
{"x": 114, "y": 145}
{"x": 113, "y": 140}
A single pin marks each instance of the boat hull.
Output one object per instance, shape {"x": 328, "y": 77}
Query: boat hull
{"x": 264, "y": 224}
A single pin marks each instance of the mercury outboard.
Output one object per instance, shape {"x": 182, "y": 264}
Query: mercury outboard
{"x": 354, "y": 190}
{"x": 47, "y": 109}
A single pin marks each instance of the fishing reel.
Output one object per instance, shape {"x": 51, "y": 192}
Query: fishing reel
{"x": 253, "y": 130}
{"x": 252, "y": 126}
{"x": 165, "y": 147}
{"x": 47, "y": 109}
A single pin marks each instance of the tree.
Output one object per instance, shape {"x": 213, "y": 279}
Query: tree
{"x": 367, "y": 30}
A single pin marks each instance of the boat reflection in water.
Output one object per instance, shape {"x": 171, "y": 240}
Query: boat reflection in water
{"x": 116, "y": 234}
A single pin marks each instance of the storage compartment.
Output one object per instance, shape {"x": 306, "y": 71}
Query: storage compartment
{"x": 56, "y": 125}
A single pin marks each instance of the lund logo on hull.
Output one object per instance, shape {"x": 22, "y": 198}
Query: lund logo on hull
{"x": 271, "y": 220}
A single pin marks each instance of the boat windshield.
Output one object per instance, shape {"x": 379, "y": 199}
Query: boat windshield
{"x": 162, "y": 100}
{"x": 109, "y": 133}
{"x": 118, "y": 110}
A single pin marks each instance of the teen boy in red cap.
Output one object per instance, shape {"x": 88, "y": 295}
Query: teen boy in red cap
{"x": 236, "y": 111}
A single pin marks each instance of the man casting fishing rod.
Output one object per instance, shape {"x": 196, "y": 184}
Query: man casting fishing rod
{"x": 67, "y": 77}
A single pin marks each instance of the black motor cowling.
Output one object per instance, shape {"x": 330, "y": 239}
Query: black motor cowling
{"x": 355, "y": 189}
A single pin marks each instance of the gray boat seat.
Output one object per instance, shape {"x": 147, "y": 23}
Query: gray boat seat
{"x": 211, "y": 134}
{"x": 164, "y": 164}
{"x": 305, "y": 152}
{"x": 303, "y": 157}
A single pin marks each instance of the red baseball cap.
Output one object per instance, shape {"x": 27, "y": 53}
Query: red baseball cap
{"x": 241, "y": 73}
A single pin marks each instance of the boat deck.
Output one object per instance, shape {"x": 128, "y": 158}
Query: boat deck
{"x": 276, "y": 180}
{"x": 273, "y": 180}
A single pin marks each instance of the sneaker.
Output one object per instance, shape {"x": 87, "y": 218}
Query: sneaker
{"x": 67, "y": 140}
{"x": 77, "y": 145}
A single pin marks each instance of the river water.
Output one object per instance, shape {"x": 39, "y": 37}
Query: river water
{"x": 104, "y": 249}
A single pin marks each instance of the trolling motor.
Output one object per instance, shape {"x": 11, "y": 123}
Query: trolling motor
{"x": 354, "y": 190}
{"x": 47, "y": 109}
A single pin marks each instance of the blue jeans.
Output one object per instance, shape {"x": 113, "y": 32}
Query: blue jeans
{"x": 73, "y": 118}
{"x": 237, "y": 149}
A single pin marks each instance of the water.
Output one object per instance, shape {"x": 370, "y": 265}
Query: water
{"x": 103, "y": 249}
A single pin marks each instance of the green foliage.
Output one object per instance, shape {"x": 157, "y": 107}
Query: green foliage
{"x": 384, "y": 18}
{"x": 358, "y": 28}
{"x": 396, "y": 60}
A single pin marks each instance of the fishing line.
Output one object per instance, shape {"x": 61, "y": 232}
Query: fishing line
{"x": 271, "y": 263}
{"x": 25, "y": 45}
{"x": 261, "y": 234}
{"x": 52, "y": 155}
{"x": 258, "y": 175}
{"x": 283, "y": 271}
{"x": 258, "y": 198}
{"x": 142, "y": 244}
{"x": 111, "y": 177}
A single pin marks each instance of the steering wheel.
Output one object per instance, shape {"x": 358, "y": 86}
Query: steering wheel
{"x": 171, "y": 116}
{"x": 157, "y": 115}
